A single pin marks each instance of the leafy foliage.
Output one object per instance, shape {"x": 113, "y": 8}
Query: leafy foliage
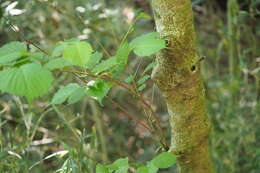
{"x": 29, "y": 80}
{"x": 94, "y": 60}
{"x": 77, "y": 95}
{"x": 18, "y": 152}
{"x": 98, "y": 89}
{"x": 58, "y": 50}
{"x": 143, "y": 79}
{"x": 162, "y": 161}
{"x": 147, "y": 44}
{"x": 64, "y": 93}
{"x": 78, "y": 53}
{"x": 32, "y": 80}
{"x": 106, "y": 65}
{"x": 29, "y": 74}
{"x": 57, "y": 63}
{"x": 130, "y": 79}
{"x": 119, "y": 166}
{"x": 12, "y": 51}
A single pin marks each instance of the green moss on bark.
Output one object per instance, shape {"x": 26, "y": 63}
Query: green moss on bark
{"x": 177, "y": 74}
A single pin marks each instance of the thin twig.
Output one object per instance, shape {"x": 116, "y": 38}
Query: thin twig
{"x": 13, "y": 27}
{"x": 155, "y": 122}
{"x": 128, "y": 114}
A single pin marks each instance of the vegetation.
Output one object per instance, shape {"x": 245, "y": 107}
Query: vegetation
{"x": 77, "y": 95}
{"x": 177, "y": 74}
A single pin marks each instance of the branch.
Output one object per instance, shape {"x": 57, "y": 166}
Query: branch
{"x": 151, "y": 116}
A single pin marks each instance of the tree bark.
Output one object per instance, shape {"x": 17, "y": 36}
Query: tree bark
{"x": 177, "y": 75}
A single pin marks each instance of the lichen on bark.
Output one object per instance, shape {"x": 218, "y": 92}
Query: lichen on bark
{"x": 177, "y": 75}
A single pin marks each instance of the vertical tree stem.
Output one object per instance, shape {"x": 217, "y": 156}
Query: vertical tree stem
{"x": 98, "y": 120}
{"x": 177, "y": 74}
{"x": 232, "y": 16}
{"x": 233, "y": 50}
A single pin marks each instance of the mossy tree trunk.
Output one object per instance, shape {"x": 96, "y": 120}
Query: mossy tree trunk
{"x": 177, "y": 75}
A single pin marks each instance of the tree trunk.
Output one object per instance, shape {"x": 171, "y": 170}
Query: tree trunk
{"x": 177, "y": 75}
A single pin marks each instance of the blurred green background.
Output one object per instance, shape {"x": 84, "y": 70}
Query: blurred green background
{"x": 101, "y": 134}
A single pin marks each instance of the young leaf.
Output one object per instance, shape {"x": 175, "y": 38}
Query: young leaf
{"x": 77, "y": 95}
{"x": 57, "y": 51}
{"x": 105, "y": 65}
{"x": 63, "y": 93}
{"x": 143, "y": 169}
{"x": 123, "y": 53}
{"x": 94, "y": 60}
{"x": 149, "y": 67}
{"x": 129, "y": 79}
{"x": 152, "y": 168}
{"x": 101, "y": 169}
{"x": 29, "y": 80}
{"x": 72, "y": 40}
{"x": 78, "y": 53}
{"x": 151, "y": 35}
{"x": 121, "y": 165}
{"x": 143, "y": 79}
{"x": 149, "y": 47}
{"x": 11, "y": 52}
{"x": 98, "y": 89}
{"x": 59, "y": 48}
{"x": 38, "y": 57}
{"x": 164, "y": 160}
{"x": 57, "y": 63}
{"x": 142, "y": 87}
{"x": 143, "y": 15}
{"x": 122, "y": 58}
{"x": 147, "y": 44}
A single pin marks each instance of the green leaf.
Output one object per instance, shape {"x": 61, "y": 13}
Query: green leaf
{"x": 98, "y": 89}
{"x": 38, "y": 57}
{"x": 72, "y": 40}
{"x": 122, "y": 58}
{"x": 164, "y": 160}
{"x": 147, "y": 44}
{"x": 121, "y": 165}
{"x": 78, "y": 53}
{"x": 143, "y": 79}
{"x": 101, "y": 169}
{"x": 29, "y": 80}
{"x": 149, "y": 67}
{"x": 21, "y": 61}
{"x": 94, "y": 60}
{"x": 149, "y": 47}
{"x": 152, "y": 168}
{"x": 12, "y": 51}
{"x": 129, "y": 79}
{"x": 151, "y": 35}
{"x": 63, "y": 93}
{"x": 123, "y": 53}
{"x": 105, "y": 65}
{"x": 115, "y": 64}
{"x": 77, "y": 95}
{"x": 58, "y": 50}
{"x": 143, "y": 169}
{"x": 142, "y": 87}
{"x": 57, "y": 63}
{"x": 143, "y": 15}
